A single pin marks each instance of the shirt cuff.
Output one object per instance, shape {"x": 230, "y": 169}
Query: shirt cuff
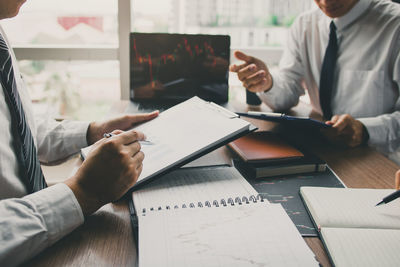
{"x": 376, "y": 131}
{"x": 59, "y": 209}
{"x": 266, "y": 97}
{"x": 269, "y": 97}
{"x": 77, "y": 133}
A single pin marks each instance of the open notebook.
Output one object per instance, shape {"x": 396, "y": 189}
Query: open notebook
{"x": 355, "y": 231}
{"x": 213, "y": 217}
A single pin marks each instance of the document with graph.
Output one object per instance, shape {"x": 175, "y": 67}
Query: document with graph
{"x": 186, "y": 132}
{"x": 212, "y": 217}
{"x": 250, "y": 234}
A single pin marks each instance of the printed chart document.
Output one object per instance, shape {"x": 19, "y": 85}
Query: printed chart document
{"x": 184, "y": 133}
{"x": 354, "y": 230}
{"x": 253, "y": 234}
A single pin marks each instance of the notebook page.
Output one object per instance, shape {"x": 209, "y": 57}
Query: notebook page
{"x": 183, "y": 130}
{"x": 362, "y": 247}
{"x": 256, "y": 234}
{"x": 351, "y": 208}
{"x": 193, "y": 185}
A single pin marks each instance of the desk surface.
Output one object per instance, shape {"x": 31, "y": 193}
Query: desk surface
{"x": 105, "y": 239}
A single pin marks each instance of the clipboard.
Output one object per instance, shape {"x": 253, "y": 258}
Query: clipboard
{"x": 184, "y": 133}
{"x": 300, "y": 122}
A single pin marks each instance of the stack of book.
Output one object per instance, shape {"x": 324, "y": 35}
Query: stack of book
{"x": 265, "y": 154}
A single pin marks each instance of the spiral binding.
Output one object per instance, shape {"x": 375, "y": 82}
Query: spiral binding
{"x": 215, "y": 203}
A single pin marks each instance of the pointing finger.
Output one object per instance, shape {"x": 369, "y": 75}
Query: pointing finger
{"x": 242, "y": 56}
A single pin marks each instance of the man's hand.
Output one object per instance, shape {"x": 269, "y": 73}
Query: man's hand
{"x": 253, "y": 74}
{"x": 96, "y": 130}
{"x": 346, "y": 131}
{"x": 110, "y": 170}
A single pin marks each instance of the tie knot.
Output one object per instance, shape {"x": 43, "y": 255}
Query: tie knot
{"x": 332, "y": 26}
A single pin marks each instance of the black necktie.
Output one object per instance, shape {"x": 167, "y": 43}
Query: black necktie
{"x": 327, "y": 73}
{"x": 23, "y": 144}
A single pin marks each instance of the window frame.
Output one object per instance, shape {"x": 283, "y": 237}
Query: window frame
{"x": 120, "y": 52}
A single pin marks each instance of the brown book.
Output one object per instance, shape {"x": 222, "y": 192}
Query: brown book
{"x": 263, "y": 147}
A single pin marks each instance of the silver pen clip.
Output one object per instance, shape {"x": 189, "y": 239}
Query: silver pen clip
{"x": 223, "y": 111}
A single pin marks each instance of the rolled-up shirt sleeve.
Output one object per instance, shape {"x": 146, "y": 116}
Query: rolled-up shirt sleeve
{"x": 384, "y": 130}
{"x": 30, "y": 224}
{"x": 58, "y": 140}
{"x": 287, "y": 81}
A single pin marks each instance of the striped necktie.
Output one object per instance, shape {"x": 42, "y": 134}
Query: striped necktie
{"x": 328, "y": 72}
{"x": 23, "y": 144}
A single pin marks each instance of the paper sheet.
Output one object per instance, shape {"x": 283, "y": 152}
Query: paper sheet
{"x": 255, "y": 234}
{"x": 362, "y": 247}
{"x": 195, "y": 185}
{"x": 184, "y": 130}
{"x": 350, "y": 207}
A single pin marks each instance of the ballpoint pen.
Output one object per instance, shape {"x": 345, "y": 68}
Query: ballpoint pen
{"x": 271, "y": 114}
{"x": 389, "y": 198}
{"x": 142, "y": 142}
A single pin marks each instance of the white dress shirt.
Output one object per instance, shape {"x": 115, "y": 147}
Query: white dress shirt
{"x": 29, "y": 224}
{"x": 367, "y": 75}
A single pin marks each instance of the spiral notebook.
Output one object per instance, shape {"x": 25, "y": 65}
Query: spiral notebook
{"x": 186, "y": 188}
{"x": 213, "y": 217}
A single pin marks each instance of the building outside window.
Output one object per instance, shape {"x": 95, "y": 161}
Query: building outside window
{"x": 68, "y": 50}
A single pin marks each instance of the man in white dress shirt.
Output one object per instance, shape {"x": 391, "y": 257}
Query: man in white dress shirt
{"x": 364, "y": 99}
{"x": 31, "y": 222}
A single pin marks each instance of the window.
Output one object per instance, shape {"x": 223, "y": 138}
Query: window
{"x": 89, "y": 41}
{"x": 68, "y": 55}
{"x": 72, "y": 22}
{"x": 76, "y": 89}
{"x": 250, "y": 23}
{"x": 257, "y": 27}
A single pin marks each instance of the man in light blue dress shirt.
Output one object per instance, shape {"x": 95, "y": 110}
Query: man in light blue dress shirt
{"x": 31, "y": 222}
{"x": 364, "y": 100}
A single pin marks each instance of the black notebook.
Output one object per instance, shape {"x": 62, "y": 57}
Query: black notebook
{"x": 298, "y": 122}
{"x": 308, "y": 164}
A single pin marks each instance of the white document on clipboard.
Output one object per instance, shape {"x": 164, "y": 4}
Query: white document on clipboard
{"x": 186, "y": 132}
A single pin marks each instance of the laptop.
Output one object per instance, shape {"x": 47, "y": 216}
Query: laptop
{"x": 167, "y": 69}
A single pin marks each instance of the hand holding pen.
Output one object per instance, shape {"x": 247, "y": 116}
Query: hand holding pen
{"x": 110, "y": 170}
{"x": 142, "y": 142}
{"x": 393, "y": 195}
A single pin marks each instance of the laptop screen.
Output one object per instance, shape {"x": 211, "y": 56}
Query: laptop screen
{"x": 175, "y": 67}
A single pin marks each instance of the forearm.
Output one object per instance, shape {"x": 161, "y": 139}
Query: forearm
{"x": 284, "y": 93}
{"x": 58, "y": 140}
{"x": 384, "y": 131}
{"x": 32, "y": 223}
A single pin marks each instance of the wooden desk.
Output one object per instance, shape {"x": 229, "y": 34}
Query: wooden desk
{"x": 105, "y": 239}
